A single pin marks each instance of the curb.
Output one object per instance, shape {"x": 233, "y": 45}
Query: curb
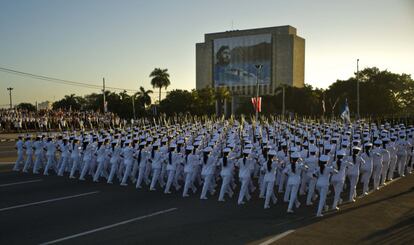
{"x": 7, "y": 140}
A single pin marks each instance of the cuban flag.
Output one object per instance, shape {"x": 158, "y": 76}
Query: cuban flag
{"x": 346, "y": 115}
{"x": 257, "y": 105}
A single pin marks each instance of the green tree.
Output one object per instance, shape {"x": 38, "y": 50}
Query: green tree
{"x": 26, "y": 106}
{"x": 143, "y": 97}
{"x": 381, "y": 93}
{"x": 204, "y": 102}
{"x": 177, "y": 101}
{"x": 69, "y": 102}
{"x": 160, "y": 79}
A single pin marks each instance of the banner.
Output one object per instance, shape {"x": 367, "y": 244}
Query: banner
{"x": 257, "y": 105}
{"x": 235, "y": 60}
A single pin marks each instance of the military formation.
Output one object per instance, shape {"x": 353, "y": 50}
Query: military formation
{"x": 275, "y": 160}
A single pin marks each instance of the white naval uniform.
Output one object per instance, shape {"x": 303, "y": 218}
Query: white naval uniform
{"x": 38, "y": 145}
{"x": 269, "y": 182}
{"x": 173, "y": 160}
{"x": 207, "y": 172}
{"x": 366, "y": 171}
{"x": 50, "y": 155}
{"x": 76, "y": 160}
{"x": 293, "y": 182}
{"x": 191, "y": 163}
{"x": 114, "y": 161}
{"x": 226, "y": 174}
{"x": 156, "y": 167}
{"x": 353, "y": 175}
{"x": 377, "y": 161}
{"x": 128, "y": 154}
{"x": 246, "y": 167}
{"x": 311, "y": 162}
{"x": 338, "y": 179}
{"x": 65, "y": 156}
{"x": 322, "y": 185}
{"x": 142, "y": 159}
{"x": 20, "y": 155}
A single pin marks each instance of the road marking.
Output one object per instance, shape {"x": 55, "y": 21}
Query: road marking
{"x": 277, "y": 237}
{"x": 47, "y": 201}
{"x": 109, "y": 226}
{"x": 8, "y": 152}
{"x": 21, "y": 182}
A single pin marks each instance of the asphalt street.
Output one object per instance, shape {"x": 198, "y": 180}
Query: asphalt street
{"x": 37, "y": 209}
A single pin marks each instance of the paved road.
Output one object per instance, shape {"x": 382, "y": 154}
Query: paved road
{"x": 37, "y": 209}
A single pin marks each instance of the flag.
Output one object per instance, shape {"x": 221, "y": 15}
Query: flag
{"x": 257, "y": 105}
{"x": 346, "y": 115}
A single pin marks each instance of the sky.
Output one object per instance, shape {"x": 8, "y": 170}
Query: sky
{"x": 123, "y": 41}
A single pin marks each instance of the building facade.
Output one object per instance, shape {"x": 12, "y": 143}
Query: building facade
{"x": 229, "y": 59}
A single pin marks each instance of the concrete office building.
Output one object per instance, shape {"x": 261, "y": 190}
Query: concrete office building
{"x": 229, "y": 59}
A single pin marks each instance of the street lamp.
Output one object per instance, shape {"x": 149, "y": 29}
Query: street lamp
{"x": 133, "y": 105}
{"x": 357, "y": 77}
{"x": 10, "y": 95}
{"x": 258, "y": 69}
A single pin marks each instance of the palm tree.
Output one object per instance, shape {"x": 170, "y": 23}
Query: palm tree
{"x": 143, "y": 96}
{"x": 160, "y": 79}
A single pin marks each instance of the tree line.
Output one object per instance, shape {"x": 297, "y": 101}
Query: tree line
{"x": 382, "y": 94}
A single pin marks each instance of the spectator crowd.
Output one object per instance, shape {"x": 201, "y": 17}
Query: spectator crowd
{"x": 15, "y": 120}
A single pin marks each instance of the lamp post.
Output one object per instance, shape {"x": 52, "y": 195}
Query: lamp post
{"x": 258, "y": 69}
{"x": 283, "y": 101}
{"x": 357, "y": 77}
{"x": 10, "y": 96}
{"x": 133, "y": 105}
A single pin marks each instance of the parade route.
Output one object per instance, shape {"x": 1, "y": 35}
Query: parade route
{"x": 98, "y": 213}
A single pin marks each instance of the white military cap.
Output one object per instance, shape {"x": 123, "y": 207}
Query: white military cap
{"x": 272, "y": 153}
{"x": 341, "y": 153}
{"x": 247, "y": 151}
{"x": 189, "y": 148}
{"x": 324, "y": 158}
{"x": 208, "y": 149}
{"x": 357, "y": 148}
{"x": 295, "y": 155}
{"x": 227, "y": 150}
{"x": 313, "y": 148}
